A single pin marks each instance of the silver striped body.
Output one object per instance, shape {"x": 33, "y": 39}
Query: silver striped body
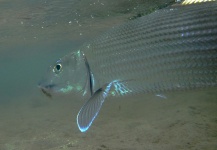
{"x": 171, "y": 49}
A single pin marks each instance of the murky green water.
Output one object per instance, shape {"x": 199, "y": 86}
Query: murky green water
{"x": 36, "y": 33}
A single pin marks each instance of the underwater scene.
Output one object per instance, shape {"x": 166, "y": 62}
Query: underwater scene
{"x": 114, "y": 94}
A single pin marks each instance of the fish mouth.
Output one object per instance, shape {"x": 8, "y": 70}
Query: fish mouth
{"x": 46, "y": 93}
{"x": 45, "y": 90}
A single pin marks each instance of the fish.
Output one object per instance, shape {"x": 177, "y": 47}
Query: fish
{"x": 171, "y": 49}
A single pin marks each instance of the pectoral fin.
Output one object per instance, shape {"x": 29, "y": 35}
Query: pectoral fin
{"x": 91, "y": 108}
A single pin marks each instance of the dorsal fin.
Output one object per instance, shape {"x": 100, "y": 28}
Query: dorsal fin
{"x": 187, "y": 2}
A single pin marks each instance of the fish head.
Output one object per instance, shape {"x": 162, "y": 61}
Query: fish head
{"x": 67, "y": 74}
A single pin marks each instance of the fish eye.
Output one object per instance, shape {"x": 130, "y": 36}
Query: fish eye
{"x": 57, "y": 68}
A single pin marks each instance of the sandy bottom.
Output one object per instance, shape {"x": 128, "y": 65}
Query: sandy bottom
{"x": 185, "y": 120}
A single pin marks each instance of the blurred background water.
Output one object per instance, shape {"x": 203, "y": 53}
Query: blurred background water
{"x": 34, "y": 33}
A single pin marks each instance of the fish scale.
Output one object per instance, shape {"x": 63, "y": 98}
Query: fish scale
{"x": 155, "y": 37}
{"x": 172, "y": 49}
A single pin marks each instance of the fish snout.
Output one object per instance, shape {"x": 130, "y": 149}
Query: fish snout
{"x": 45, "y": 89}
